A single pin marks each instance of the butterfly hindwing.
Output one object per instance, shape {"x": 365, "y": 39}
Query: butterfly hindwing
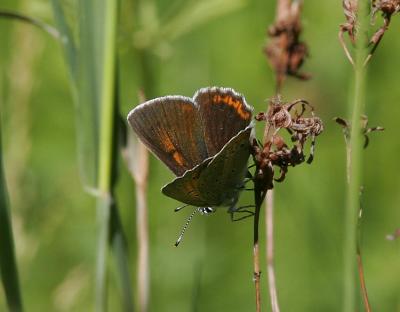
{"x": 223, "y": 114}
{"x": 186, "y": 188}
{"x": 226, "y": 172}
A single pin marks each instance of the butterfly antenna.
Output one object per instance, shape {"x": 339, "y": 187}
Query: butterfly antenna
{"x": 185, "y": 228}
{"x": 180, "y": 208}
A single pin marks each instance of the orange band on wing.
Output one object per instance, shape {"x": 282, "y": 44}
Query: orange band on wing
{"x": 236, "y": 104}
{"x": 170, "y": 148}
{"x": 178, "y": 157}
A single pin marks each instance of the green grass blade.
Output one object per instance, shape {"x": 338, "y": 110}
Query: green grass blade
{"x": 30, "y": 20}
{"x": 67, "y": 39}
{"x": 8, "y": 265}
{"x": 82, "y": 67}
{"x": 102, "y": 17}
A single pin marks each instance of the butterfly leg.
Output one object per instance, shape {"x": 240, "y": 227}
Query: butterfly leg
{"x": 247, "y": 215}
{"x": 243, "y": 209}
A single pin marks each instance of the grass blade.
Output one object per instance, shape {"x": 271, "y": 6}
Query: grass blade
{"x": 8, "y": 265}
{"x": 82, "y": 67}
{"x": 67, "y": 39}
{"x": 104, "y": 56}
{"x": 30, "y": 20}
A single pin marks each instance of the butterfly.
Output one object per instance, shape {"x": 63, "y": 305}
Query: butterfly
{"x": 204, "y": 140}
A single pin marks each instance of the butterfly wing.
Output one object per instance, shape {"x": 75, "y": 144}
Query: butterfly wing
{"x": 223, "y": 114}
{"x": 187, "y": 188}
{"x": 170, "y": 127}
{"x": 224, "y": 175}
{"x": 216, "y": 181}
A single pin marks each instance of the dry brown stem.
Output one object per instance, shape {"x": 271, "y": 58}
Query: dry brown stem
{"x": 269, "y": 221}
{"x": 137, "y": 159}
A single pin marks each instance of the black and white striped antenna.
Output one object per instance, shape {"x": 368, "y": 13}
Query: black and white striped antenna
{"x": 185, "y": 227}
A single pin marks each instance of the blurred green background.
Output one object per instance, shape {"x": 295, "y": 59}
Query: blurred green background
{"x": 54, "y": 219}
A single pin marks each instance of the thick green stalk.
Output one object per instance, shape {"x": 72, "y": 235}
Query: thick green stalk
{"x": 355, "y": 164}
{"x": 8, "y": 264}
{"x": 107, "y": 111}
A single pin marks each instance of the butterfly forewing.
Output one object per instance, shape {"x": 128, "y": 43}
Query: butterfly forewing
{"x": 170, "y": 127}
{"x": 223, "y": 114}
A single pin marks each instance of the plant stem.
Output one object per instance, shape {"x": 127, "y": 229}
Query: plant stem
{"x": 258, "y": 198}
{"x": 363, "y": 286}
{"x": 142, "y": 229}
{"x": 107, "y": 111}
{"x": 354, "y": 165}
{"x": 137, "y": 159}
{"x": 140, "y": 168}
{"x": 269, "y": 221}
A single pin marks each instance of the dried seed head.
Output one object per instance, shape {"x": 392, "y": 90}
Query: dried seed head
{"x": 387, "y": 7}
{"x": 276, "y": 152}
{"x": 285, "y": 52}
{"x": 350, "y": 8}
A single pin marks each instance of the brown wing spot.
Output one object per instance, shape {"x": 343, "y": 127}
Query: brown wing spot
{"x": 237, "y": 105}
{"x": 170, "y": 148}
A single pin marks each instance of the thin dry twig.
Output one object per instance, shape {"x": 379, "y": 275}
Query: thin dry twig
{"x": 137, "y": 159}
{"x": 269, "y": 221}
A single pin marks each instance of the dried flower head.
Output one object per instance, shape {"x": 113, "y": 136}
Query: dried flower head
{"x": 350, "y": 8}
{"x": 386, "y": 7}
{"x": 285, "y": 52}
{"x": 275, "y": 152}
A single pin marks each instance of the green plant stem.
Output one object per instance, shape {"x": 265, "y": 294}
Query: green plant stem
{"x": 107, "y": 111}
{"x": 354, "y": 166}
{"x": 8, "y": 263}
{"x": 353, "y": 192}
